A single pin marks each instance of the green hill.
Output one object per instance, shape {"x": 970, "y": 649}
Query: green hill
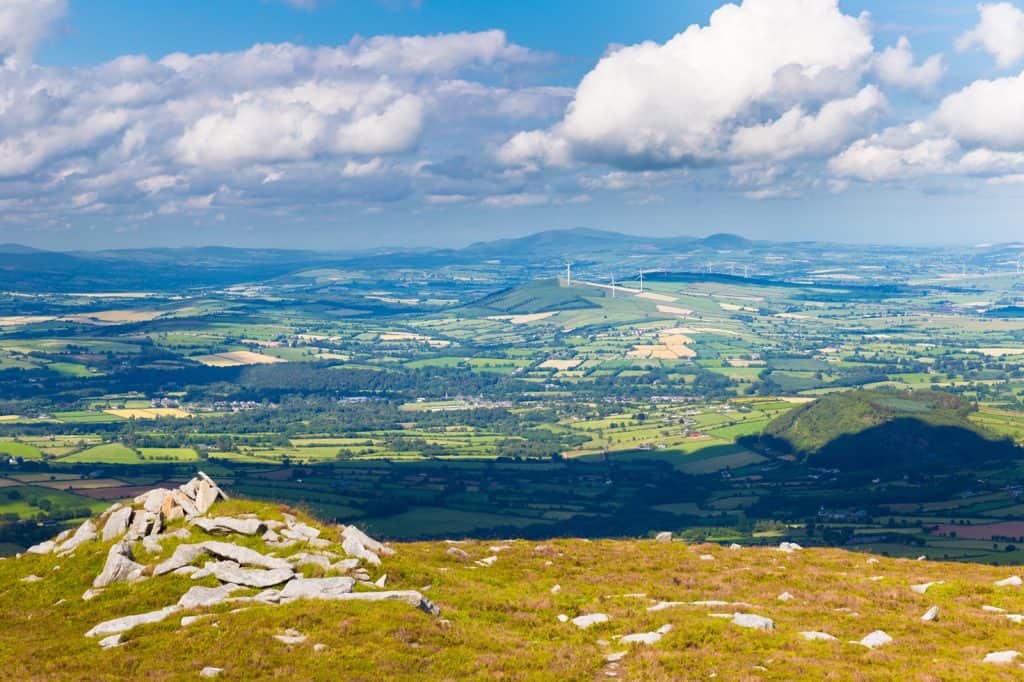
{"x": 496, "y": 610}
{"x": 540, "y": 296}
{"x": 868, "y": 429}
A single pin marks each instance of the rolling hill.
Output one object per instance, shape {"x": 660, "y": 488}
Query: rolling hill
{"x": 884, "y": 430}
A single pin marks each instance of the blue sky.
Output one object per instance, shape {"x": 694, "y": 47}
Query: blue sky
{"x": 354, "y": 123}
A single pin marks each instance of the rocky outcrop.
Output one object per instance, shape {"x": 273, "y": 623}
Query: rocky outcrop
{"x": 126, "y": 623}
{"x": 231, "y": 572}
{"x": 226, "y": 525}
{"x": 119, "y": 567}
{"x": 206, "y": 596}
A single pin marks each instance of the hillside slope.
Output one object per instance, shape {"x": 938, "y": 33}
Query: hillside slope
{"x": 502, "y": 609}
{"x": 872, "y": 429}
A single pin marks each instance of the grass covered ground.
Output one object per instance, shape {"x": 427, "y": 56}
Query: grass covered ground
{"x": 501, "y": 621}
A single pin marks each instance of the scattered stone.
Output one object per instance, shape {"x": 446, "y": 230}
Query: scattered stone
{"x": 187, "y": 571}
{"x": 199, "y": 596}
{"x": 992, "y": 609}
{"x": 735, "y": 546}
{"x": 1012, "y": 581}
{"x": 119, "y": 567}
{"x": 749, "y": 620}
{"x": 872, "y": 560}
{"x": 706, "y": 557}
{"x": 489, "y": 561}
{"x": 117, "y": 524}
{"x": 1001, "y": 657}
{"x": 817, "y": 636}
{"x": 586, "y": 621}
{"x": 562, "y": 618}
{"x": 381, "y": 581}
{"x": 876, "y": 639}
{"x": 226, "y": 525}
{"x": 366, "y": 541}
{"x": 243, "y": 555}
{"x": 188, "y": 620}
{"x": 411, "y": 597}
{"x": 662, "y": 605}
{"x": 1015, "y": 618}
{"x": 317, "y": 588}
{"x": 210, "y": 671}
{"x": 110, "y": 642}
{"x": 647, "y": 637}
{"x": 85, "y": 533}
{"x": 354, "y": 548}
{"x": 231, "y": 572}
{"x": 789, "y": 547}
{"x": 457, "y": 553}
{"x": 663, "y": 536}
{"x": 46, "y": 547}
{"x": 923, "y": 587}
{"x": 615, "y": 656}
{"x": 153, "y": 500}
{"x": 126, "y": 623}
{"x": 183, "y": 556}
{"x": 31, "y": 578}
{"x": 785, "y": 596}
{"x": 91, "y": 593}
{"x": 319, "y": 648}
{"x": 931, "y": 615}
{"x": 556, "y": 589}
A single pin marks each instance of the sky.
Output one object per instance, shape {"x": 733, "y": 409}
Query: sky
{"x": 343, "y": 124}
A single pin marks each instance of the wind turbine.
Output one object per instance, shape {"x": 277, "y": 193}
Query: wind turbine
{"x": 568, "y": 274}
{"x": 641, "y": 280}
{"x": 613, "y": 285}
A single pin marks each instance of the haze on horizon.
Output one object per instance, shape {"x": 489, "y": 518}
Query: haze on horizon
{"x": 335, "y": 125}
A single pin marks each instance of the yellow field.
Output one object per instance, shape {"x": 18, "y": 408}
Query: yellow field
{"x": 410, "y": 336}
{"x": 15, "y": 320}
{"x": 560, "y": 365}
{"x": 114, "y": 316}
{"x": 997, "y": 352}
{"x": 523, "y": 319}
{"x": 657, "y": 297}
{"x": 674, "y": 310}
{"x": 236, "y": 358}
{"x": 149, "y": 412}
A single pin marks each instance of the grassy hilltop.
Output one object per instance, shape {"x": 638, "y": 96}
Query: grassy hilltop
{"x": 500, "y": 618}
{"x": 881, "y": 430}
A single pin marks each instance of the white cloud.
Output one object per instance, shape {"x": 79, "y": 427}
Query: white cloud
{"x": 1000, "y": 32}
{"x": 797, "y": 133}
{"x": 876, "y": 159}
{"x": 24, "y": 23}
{"x": 654, "y": 105}
{"x": 986, "y": 112}
{"x": 516, "y": 200}
{"x": 895, "y": 66}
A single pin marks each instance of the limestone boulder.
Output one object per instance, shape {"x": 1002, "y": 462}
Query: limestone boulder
{"x": 117, "y": 524}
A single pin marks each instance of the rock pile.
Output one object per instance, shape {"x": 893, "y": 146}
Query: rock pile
{"x": 236, "y": 568}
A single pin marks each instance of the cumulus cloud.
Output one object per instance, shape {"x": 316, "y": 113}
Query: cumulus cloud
{"x": 268, "y": 127}
{"x": 24, "y": 23}
{"x": 657, "y": 105}
{"x": 895, "y": 66}
{"x": 875, "y": 159}
{"x": 1000, "y": 32}
{"x": 797, "y": 133}
{"x": 986, "y": 112}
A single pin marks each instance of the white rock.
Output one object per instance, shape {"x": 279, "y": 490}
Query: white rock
{"x": 556, "y": 589}
{"x": 735, "y": 546}
{"x": 707, "y": 557}
{"x": 317, "y": 588}
{"x": 243, "y": 555}
{"x": 366, "y": 541}
{"x": 42, "y": 548}
{"x": 663, "y": 536}
{"x": 1001, "y": 657}
{"x": 381, "y": 581}
{"x": 119, "y": 566}
{"x": 457, "y": 553}
{"x": 789, "y": 547}
{"x": 227, "y": 525}
{"x": 188, "y": 620}
{"x": 354, "y": 548}
{"x": 749, "y": 620}
{"x": 647, "y": 637}
{"x": 183, "y": 556}
{"x": 291, "y": 640}
{"x": 992, "y": 609}
{"x": 411, "y": 597}
{"x": 872, "y": 560}
{"x": 785, "y": 596}
{"x": 924, "y": 587}
{"x": 91, "y": 593}
{"x": 1012, "y": 581}
{"x": 615, "y": 656}
{"x": 562, "y": 618}
{"x": 488, "y": 561}
{"x": 1017, "y": 618}
{"x": 210, "y": 671}
{"x": 662, "y": 605}
{"x": 31, "y": 578}
{"x": 231, "y": 572}
{"x": 126, "y": 623}
{"x": 110, "y": 642}
{"x": 931, "y": 615}
{"x": 817, "y": 636}
{"x": 305, "y": 559}
{"x": 152, "y": 500}
{"x": 199, "y": 596}
{"x": 85, "y": 533}
{"x": 319, "y": 648}
{"x": 876, "y": 639}
{"x": 586, "y": 621}
{"x": 117, "y": 524}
